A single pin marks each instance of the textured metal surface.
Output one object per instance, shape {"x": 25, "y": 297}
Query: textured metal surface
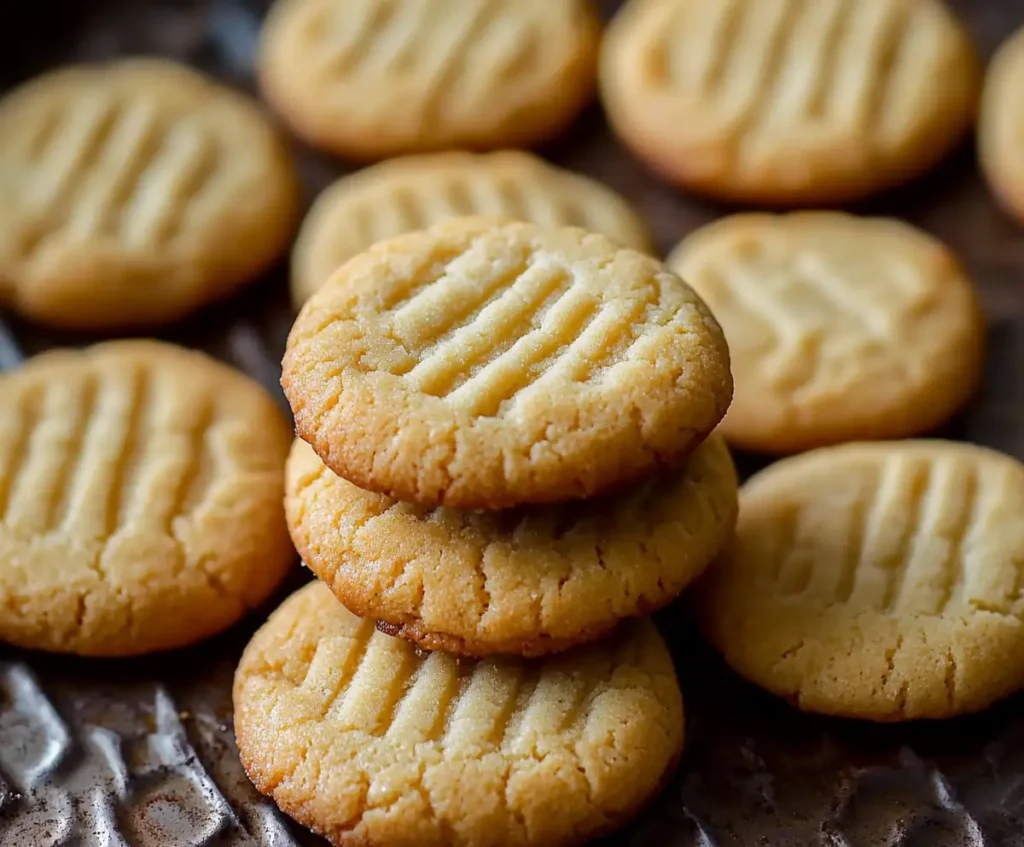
{"x": 141, "y": 752}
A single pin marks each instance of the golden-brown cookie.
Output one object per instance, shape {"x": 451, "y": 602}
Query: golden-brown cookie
{"x": 140, "y": 499}
{"x": 415, "y": 192}
{"x": 789, "y": 101}
{"x": 133, "y": 192}
{"x": 527, "y": 581}
{"x": 840, "y": 328}
{"x": 369, "y": 79}
{"x": 1001, "y": 125}
{"x": 485, "y": 364}
{"x": 877, "y": 581}
{"x": 372, "y": 743}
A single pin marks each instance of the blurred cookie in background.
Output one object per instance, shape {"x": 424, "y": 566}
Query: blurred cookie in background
{"x": 839, "y": 327}
{"x": 415, "y": 192}
{"x": 785, "y": 102}
{"x": 134, "y": 192}
{"x": 1001, "y": 125}
{"x": 368, "y": 79}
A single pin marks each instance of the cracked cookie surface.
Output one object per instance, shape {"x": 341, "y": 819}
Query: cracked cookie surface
{"x": 370, "y": 79}
{"x": 415, "y": 192}
{"x": 368, "y": 741}
{"x": 134, "y": 192}
{"x": 485, "y": 364}
{"x": 140, "y": 499}
{"x": 880, "y": 581}
{"x": 529, "y": 581}
{"x": 799, "y": 102}
{"x": 840, "y": 328}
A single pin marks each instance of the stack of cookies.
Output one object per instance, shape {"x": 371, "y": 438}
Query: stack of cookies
{"x": 505, "y": 459}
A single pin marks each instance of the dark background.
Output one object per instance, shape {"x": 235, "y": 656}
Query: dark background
{"x": 141, "y": 752}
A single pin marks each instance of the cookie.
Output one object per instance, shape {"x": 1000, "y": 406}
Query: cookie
{"x": 140, "y": 499}
{"x": 789, "y": 102}
{"x": 486, "y": 364}
{"x": 1000, "y": 144}
{"x": 877, "y": 580}
{"x": 368, "y": 79}
{"x": 368, "y": 741}
{"x": 528, "y": 581}
{"x": 134, "y": 192}
{"x": 840, "y": 328}
{"x": 418, "y": 191}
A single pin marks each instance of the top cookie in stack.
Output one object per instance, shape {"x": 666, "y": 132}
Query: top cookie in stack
{"x": 486, "y": 364}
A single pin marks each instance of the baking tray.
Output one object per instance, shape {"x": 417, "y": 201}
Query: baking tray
{"x": 141, "y": 752}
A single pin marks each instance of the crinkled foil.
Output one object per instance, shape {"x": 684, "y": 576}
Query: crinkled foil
{"x": 141, "y": 752}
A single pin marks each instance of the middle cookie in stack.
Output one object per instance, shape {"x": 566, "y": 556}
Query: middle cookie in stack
{"x": 505, "y": 450}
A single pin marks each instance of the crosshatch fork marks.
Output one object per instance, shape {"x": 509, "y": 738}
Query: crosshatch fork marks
{"x": 116, "y": 170}
{"x": 91, "y": 457}
{"x": 797, "y": 313}
{"x": 386, "y": 688}
{"x": 71, "y": 463}
{"x": 774, "y": 63}
{"x": 26, "y": 419}
{"x": 954, "y": 565}
{"x": 484, "y": 335}
{"x": 861, "y": 506}
{"x": 920, "y": 477}
{"x": 454, "y": 51}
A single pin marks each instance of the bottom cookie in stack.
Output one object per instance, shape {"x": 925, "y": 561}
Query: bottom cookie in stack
{"x": 369, "y": 741}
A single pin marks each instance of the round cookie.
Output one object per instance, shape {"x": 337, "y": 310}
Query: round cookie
{"x": 1000, "y": 142}
{"x": 140, "y": 499}
{"x": 134, "y": 192}
{"x": 528, "y": 581}
{"x": 415, "y": 192}
{"x": 878, "y": 581}
{"x": 789, "y": 102}
{"x": 369, "y": 79}
{"x": 370, "y": 742}
{"x": 485, "y": 364}
{"x": 840, "y": 328}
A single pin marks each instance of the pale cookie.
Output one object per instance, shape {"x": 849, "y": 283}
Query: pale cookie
{"x": 1001, "y": 125}
{"x": 789, "y": 101}
{"x": 877, "y": 581}
{"x": 369, "y": 79}
{"x": 528, "y": 581}
{"x": 134, "y": 192}
{"x": 484, "y": 364}
{"x": 416, "y": 192}
{"x": 370, "y": 742}
{"x": 840, "y": 328}
{"x": 140, "y": 499}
